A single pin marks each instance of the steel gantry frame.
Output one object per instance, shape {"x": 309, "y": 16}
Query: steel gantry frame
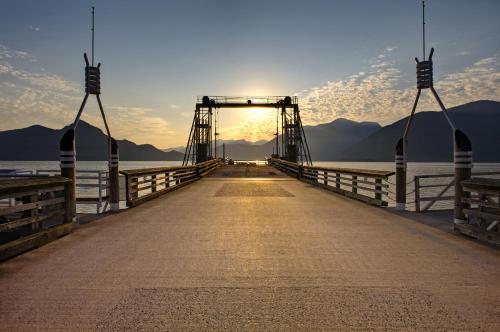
{"x": 201, "y": 139}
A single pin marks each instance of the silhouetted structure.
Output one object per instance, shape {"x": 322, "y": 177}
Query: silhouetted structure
{"x": 67, "y": 144}
{"x": 463, "y": 159}
{"x": 293, "y": 140}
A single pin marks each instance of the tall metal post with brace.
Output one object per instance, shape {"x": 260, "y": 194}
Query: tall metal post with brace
{"x": 462, "y": 146}
{"x": 67, "y": 143}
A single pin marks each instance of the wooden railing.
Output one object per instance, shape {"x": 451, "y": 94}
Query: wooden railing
{"x": 33, "y": 211}
{"x": 95, "y": 183}
{"x": 437, "y": 190}
{"x": 142, "y": 185}
{"x": 482, "y": 207}
{"x": 361, "y": 184}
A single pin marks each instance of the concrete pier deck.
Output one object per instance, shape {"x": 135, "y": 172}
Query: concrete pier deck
{"x": 256, "y": 251}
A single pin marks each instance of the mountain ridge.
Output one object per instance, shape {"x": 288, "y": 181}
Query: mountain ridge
{"x": 430, "y": 140}
{"x": 37, "y": 142}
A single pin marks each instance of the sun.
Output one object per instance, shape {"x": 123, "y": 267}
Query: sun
{"x": 257, "y": 114}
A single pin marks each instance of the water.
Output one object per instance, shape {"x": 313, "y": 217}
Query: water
{"x": 413, "y": 169}
{"x": 85, "y": 165}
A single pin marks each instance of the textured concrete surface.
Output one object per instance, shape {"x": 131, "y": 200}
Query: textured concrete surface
{"x": 253, "y": 254}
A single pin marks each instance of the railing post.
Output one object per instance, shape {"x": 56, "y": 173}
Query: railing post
{"x": 114, "y": 182}
{"x": 67, "y": 163}
{"x": 33, "y": 227}
{"x": 400, "y": 176}
{"x": 127, "y": 191}
{"x": 378, "y": 188}
{"x": 355, "y": 184}
{"x": 153, "y": 183}
{"x": 325, "y": 178}
{"x": 134, "y": 185}
{"x": 99, "y": 194}
{"x": 417, "y": 194}
{"x": 463, "y": 168}
{"x": 300, "y": 172}
{"x": 337, "y": 180}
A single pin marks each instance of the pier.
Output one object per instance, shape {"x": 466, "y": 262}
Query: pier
{"x": 279, "y": 244}
{"x": 253, "y": 248}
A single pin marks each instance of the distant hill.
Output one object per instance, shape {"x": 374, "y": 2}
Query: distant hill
{"x": 430, "y": 140}
{"x": 430, "y": 137}
{"x": 326, "y": 141}
{"x": 41, "y": 143}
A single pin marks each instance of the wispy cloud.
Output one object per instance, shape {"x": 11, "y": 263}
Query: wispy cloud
{"x": 6, "y": 53}
{"x": 382, "y": 93}
{"x": 28, "y": 98}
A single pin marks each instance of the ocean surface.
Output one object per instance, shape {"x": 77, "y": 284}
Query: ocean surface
{"x": 413, "y": 170}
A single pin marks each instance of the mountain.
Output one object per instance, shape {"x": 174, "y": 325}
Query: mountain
{"x": 238, "y": 147}
{"x": 430, "y": 139}
{"x": 41, "y": 143}
{"x": 326, "y": 141}
{"x": 430, "y": 136}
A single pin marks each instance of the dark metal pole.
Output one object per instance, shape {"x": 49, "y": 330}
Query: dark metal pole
{"x": 410, "y": 119}
{"x": 423, "y": 29}
{"x": 82, "y": 106}
{"x": 92, "y": 36}
{"x": 447, "y": 116}
{"x": 103, "y": 116}
{"x": 188, "y": 145}
{"x": 105, "y": 124}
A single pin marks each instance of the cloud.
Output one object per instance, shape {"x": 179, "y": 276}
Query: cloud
{"x": 28, "y": 98}
{"x": 382, "y": 94}
{"x": 33, "y": 28}
{"x": 46, "y": 81}
{"x": 6, "y": 53}
{"x": 5, "y": 68}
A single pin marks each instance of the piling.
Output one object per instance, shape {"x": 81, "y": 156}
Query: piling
{"x": 463, "y": 169}
{"x": 67, "y": 158}
{"x": 400, "y": 176}
{"x": 114, "y": 184}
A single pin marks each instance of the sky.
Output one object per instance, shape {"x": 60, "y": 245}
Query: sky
{"x": 344, "y": 59}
